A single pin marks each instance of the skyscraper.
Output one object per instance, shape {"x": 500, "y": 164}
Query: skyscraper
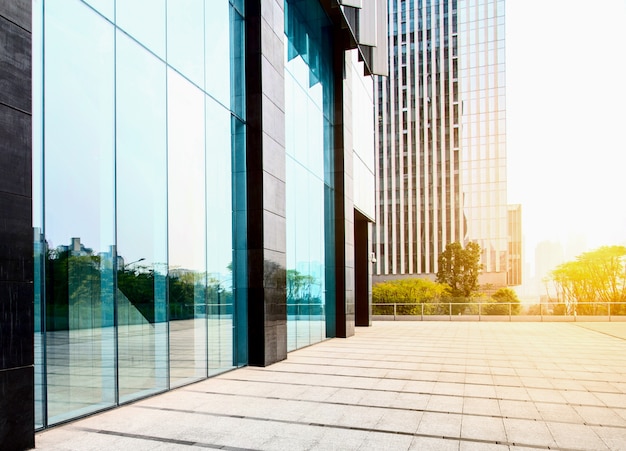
{"x": 441, "y": 137}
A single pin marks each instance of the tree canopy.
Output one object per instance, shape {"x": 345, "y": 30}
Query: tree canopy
{"x": 594, "y": 276}
{"x": 459, "y": 268}
{"x": 505, "y": 301}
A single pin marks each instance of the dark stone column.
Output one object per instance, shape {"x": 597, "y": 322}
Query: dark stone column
{"x": 16, "y": 240}
{"x": 362, "y": 269}
{"x": 344, "y": 205}
{"x": 265, "y": 166}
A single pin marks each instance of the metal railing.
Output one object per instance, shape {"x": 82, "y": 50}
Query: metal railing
{"x": 582, "y": 311}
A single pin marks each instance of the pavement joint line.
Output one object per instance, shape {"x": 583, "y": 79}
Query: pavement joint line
{"x": 508, "y": 360}
{"x": 539, "y": 355}
{"x": 582, "y": 326}
{"x": 267, "y": 370}
{"x": 468, "y": 357}
{"x": 154, "y": 438}
{"x": 361, "y": 429}
{"x": 445, "y": 372}
{"x": 408, "y": 409}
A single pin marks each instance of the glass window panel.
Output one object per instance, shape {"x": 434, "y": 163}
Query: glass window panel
{"x": 219, "y": 237}
{"x": 237, "y": 63}
{"x": 218, "y": 50}
{"x": 38, "y": 238}
{"x": 240, "y": 261}
{"x": 141, "y": 221}
{"x": 186, "y": 230}
{"x": 185, "y": 38}
{"x": 105, "y": 7}
{"x": 144, "y": 20}
{"x": 79, "y": 210}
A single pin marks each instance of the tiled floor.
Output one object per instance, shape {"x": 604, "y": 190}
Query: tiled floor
{"x": 396, "y": 386}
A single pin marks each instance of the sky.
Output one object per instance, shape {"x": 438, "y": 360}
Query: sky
{"x": 566, "y": 120}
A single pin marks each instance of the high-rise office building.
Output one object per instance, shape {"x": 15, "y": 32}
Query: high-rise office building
{"x": 441, "y": 137}
{"x": 514, "y": 277}
{"x": 198, "y": 178}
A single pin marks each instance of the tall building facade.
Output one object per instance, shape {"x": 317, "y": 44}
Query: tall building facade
{"x": 516, "y": 256}
{"x": 441, "y": 137}
{"x": 199, "y": 183}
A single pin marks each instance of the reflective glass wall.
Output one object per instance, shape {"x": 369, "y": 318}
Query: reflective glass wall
{"x": 308, "y": 126}
{"x": 139, "y": 209}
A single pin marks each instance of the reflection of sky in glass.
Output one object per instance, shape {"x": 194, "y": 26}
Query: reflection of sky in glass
{"x": 185, "y": 38}
{"x": 80, "y": 133}
{"x": 219, "y": 191}
{"x": 217, "y": 51}
{"x": 79, "y": 127}
{"x": 104, "y": 7}
{"x": 140, "y": 154}
{"x": 145, "y": 21}
{"x": 186, "y": 164}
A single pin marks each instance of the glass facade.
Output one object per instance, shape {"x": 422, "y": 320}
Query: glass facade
{"x": 482, "y": 77}
{"x": 308, "y": 130}
{"x": 139, "y": 199}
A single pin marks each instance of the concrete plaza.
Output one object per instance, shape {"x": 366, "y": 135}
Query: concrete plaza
{"x": 396, "y": 386}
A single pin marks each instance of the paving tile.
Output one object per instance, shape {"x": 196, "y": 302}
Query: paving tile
{"x": 612, "y": 399}
{"x": 483, "y": 428}
{"x": 576, "y": 436}
{"x": 399, "y": 421}
{"x": 545, "y": 395}
{"x": 445, "y": 404}
{"x": 385, "y": 442}
{"x": 600, "y": 416}
{"x": 519, "y": 409}
{"x": 481, "y": 406}
{"x": 558, "y": 412}
{"x": 411, "y": 401}
{"x": 480, "y": 391}
{"x": 512, "y": 393}
{"x": 528, "y": 433}
{"x": 434, "y": 444}
{"x": 448, "y": 388}
{"x": 440, "y": 424}
{"x": 480, "y": 446}
{"x": 614, "y": 438}
{"x": 577, "y": 397}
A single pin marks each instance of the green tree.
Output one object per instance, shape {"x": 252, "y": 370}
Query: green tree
{"x": 501, "y": 301}
{"x": 459, "y": 269}
{"x": 412, "y": 291}
{"x": 594, "y": 277}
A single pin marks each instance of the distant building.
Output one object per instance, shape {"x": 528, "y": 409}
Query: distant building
{"x": 441, "y": 137}
{"x": 514, "y": 276}
{"x": 548, "y": 255}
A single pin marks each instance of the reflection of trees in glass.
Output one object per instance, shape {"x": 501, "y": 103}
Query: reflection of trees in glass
{"x": 303, "y": 294}
{"x": 79, "y": 288}
{"x": 219, "y": 297}
{"x": 138, "y": 285}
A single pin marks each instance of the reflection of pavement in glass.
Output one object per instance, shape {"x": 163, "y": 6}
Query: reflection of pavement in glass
{"x": 303, "y": 332}
{"x": 81, "y": 363}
